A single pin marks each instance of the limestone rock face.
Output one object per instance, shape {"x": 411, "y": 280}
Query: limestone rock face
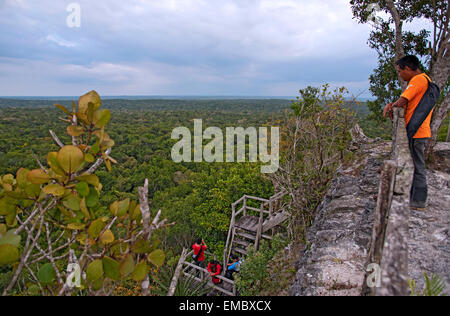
{"x": 429, "y": 233}
{"x": 338, "y": 241}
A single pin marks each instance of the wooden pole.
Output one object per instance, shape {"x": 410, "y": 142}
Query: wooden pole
{"x": 384, "y": 200}
{"x": 448, "y": 133}
{"x": 176, "y": 275}
{"x": 259, "y": 231}
{"x": 225, "y": 258}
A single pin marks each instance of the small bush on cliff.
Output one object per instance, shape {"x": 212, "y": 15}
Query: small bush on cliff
{"x": 315, "y": 139}
{"x": 254, "y": 275}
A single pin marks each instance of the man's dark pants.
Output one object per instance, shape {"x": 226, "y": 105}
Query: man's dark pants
{"x": 419, "y": 188}
{"x": 200, "y": 264}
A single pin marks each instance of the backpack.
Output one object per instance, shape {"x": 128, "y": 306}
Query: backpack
{"x": 214, "y": 265}
{"x": 423, "y": 109}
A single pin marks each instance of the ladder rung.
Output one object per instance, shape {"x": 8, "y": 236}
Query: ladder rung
{"x": 246, "y": 235}
{"x": 241, "y": 242}
{"x": 266, "y": 237}
{"x": 241, "y": 251}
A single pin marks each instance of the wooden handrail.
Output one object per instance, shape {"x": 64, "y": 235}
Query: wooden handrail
{"x": 207, "y": 272}
{"x": 212, "y": 285}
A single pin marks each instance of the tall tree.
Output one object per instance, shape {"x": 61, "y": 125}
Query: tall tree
{"x": 392, "y": 42}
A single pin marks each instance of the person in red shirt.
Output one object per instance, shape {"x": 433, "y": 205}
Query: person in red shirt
{"x": 214, "y": 269}
{"x": 199, "y": 248}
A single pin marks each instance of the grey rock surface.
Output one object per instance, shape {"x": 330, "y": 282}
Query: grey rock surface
{"x": 339, "y": 239}
{"x": 429, "y": 233}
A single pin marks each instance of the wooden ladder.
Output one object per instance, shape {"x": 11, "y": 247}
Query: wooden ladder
{"x": 247, "y": 229}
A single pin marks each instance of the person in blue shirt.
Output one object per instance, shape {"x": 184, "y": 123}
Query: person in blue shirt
{"x": 233, "y": 267}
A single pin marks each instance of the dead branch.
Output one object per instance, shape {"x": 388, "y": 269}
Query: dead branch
{"x": 176, "y": 275}
{"x": 56, "y": 139}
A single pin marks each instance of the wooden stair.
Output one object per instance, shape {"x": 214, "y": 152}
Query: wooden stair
{"x": 246, "y": 230}
{"x": 275, "y": 220}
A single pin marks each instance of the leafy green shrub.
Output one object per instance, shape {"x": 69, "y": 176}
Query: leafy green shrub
{"x": 433, "y": 287}
{"x": 52, "y": 216}
{"x": 254, "y": 275}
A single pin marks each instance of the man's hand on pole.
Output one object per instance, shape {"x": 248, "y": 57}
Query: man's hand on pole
{"x": 388, "y": 109}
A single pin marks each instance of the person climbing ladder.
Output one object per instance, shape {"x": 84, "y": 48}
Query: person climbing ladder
{"x": 233, "y": 267}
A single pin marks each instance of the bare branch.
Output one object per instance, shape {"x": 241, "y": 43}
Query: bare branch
{"x": 176, "y": 275}
{"x": 56, "y": 139}
{"x": 97, "y": 164}
{"x": 145, "y": 210}
{"x": 39, "y": 163}
{"x": 27, "y": 252}
{"x": 75, "y": 123}
{"x": 50, "y": 257}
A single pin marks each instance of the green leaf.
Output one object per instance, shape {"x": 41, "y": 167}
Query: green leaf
{"x": 92, "y": 198}
{"x": 8, "y": 178}
{"x": 96, "y": 228}
{"x": 70, "y": 158}
{"x": 89, "y": 157}
{"x": 38, "y": 176}
{"x": 91, "y": 96}
{"x": 54, "y": 189}
{"x": 11, "y": 219}
{"x": 10, "y": 238}
{"x": 136, "y": 212}
{"x": 2, "y": 229}
{"x": 7, "y": 205}
{"x": 74, "y": 130}
{"x": 33, "y": 290}
{"x": 126, "y": 266}
{"x": 63, "y": 108}
{"x": 76, "y": 226}
{"x": 98, "y": 284}
{"x": 21, "y": 177}
{"x": 95, "y": 148}
{"x": 107, "y": 237}
{"x": 52, "y": 160}
{"x": 140, "y": 271}
{"x": 141, "y": 246}
{"x": 84, "y": 208}
{"x": 123, "y": 207}
{"x": 101, "y": 118}
{"x": 46, "y": 274}
{"x": 82, "y": 188}
{"x": 72, "y": 202}
{"x": 16, "y": 195}
{"x": 94, "y": 270}
{"x": 8, "y": 254}
{"x": 157, "y": 258}
{"x": 90, "y": 111}
{"x": 91, "y": 179}
{"x": 33, "y": 190}
{"x": 111, "y": 268}
{"x": 114, "y": 207}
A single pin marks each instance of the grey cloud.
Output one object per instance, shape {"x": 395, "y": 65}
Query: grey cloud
{"x": 210, "y": 47}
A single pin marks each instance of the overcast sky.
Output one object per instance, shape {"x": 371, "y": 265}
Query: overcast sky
{"x": 181, "y": 47}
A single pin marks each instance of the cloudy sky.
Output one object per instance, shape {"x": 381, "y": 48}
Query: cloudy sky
{"x": 181, "y": 47}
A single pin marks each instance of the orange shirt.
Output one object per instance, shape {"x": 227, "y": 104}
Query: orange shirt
{"x": 417, "y": 87}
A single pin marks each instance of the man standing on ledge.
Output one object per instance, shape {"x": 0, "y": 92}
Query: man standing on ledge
{"x": 408, "y": 69}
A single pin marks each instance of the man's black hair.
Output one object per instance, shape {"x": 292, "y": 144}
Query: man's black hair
{"x": 199, "y": 240}
{"x": 410, "y": 60}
